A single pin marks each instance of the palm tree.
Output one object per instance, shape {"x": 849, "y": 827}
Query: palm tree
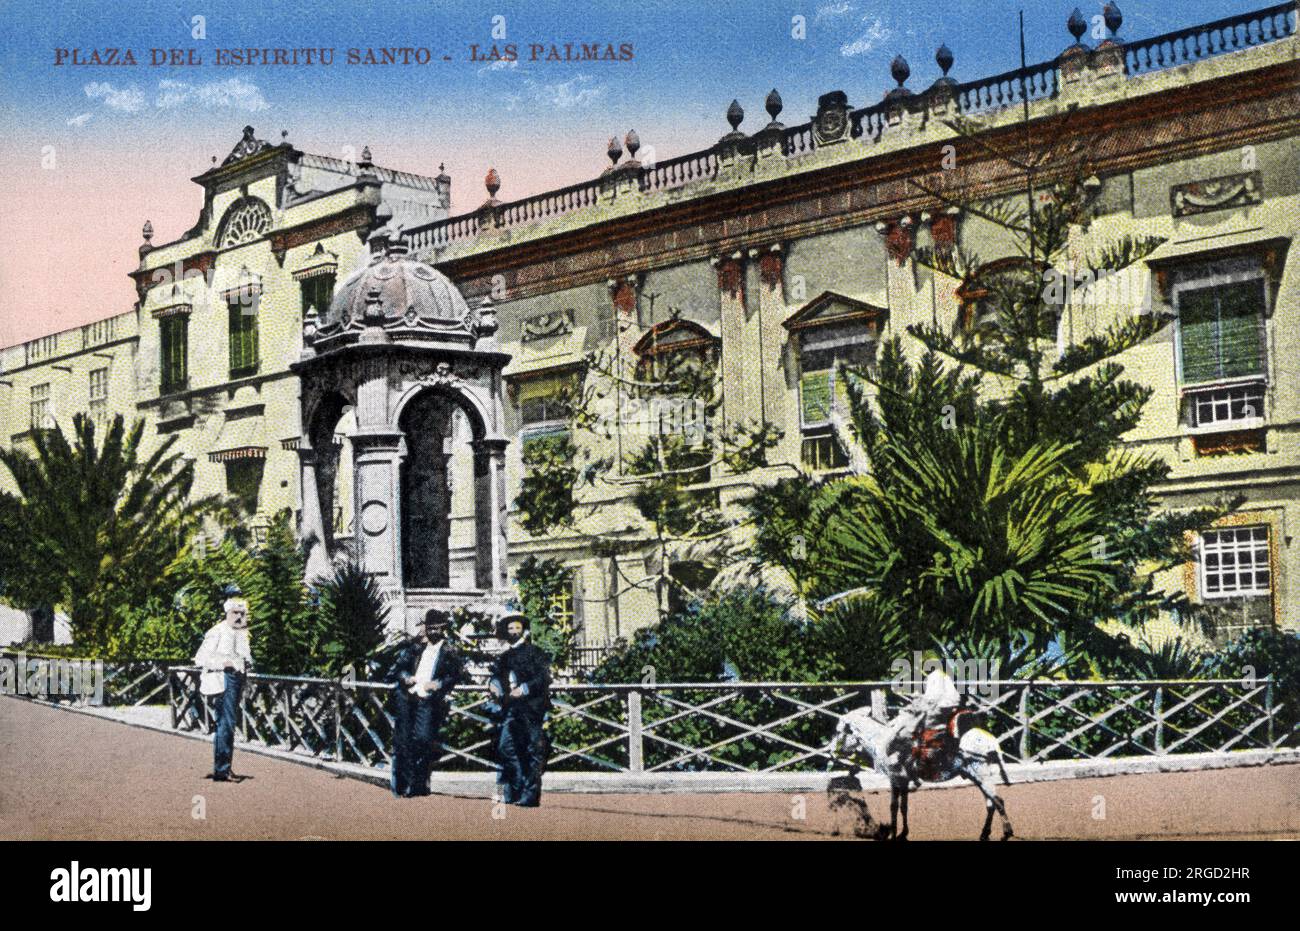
{"x": 94, "y": 526}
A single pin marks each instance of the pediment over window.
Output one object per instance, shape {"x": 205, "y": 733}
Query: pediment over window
{"x": 673, "y": 336}
{"x": 319, "y": 262}
{"x": 831, "y": 308}
{"x": 1175, "y": 260}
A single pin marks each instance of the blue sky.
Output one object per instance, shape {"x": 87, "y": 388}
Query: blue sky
{"x": 141, "y": 132}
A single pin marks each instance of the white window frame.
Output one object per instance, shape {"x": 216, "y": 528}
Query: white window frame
{"x": 1194, "y": 397}
{"x": 1236, "y": 549}
{"x": 45, "y": 402}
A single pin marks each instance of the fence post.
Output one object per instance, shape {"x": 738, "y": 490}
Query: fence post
{"x": 338, "y": 722}
{"x": 1160, "y": 718}
{"x": 879, "y": 709}
{"x": 1023, "y": 712}
{"x": 171, "y": 696}
{"x": 635, "y": 759}
{"x": 286, "y": 708}
{"x": 1268, "y": 707}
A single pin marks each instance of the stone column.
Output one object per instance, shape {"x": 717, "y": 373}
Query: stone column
{"x": 490, "y": 567}
{"x": 376, "y": 468}
{"x": 313, "y": 525}
{"x": 771, "y": 335}
{"x": 736, "y": 356}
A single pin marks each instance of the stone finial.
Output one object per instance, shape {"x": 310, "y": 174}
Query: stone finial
{"x": 147, "y": 231}
{"x": 735, "y": 115}
{"x": 614, "y": 151}
{"x": 1113, "y": 17}
{"x": 1077, "y": 25}
{"x": 900, "y": 69}
{"x": 365, "y": 155}
{"x": 633, "y": 142}
{"x": 943, "y": 58}
{"x": 773, "y": 105}
{"x": 492, "y": 181}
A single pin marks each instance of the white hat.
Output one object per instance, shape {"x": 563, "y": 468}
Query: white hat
{"x": 940, "y": 690}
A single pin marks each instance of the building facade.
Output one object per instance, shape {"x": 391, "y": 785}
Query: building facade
{"x": 775, "y": 256}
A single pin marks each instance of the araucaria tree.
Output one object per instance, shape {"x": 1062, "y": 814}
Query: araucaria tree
{"x": 94, "y": 525}
{"x": 630, "y": 472}
{"x": 1001, "y": 510}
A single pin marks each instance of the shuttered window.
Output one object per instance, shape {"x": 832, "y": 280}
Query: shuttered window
{"x": 815, "y": 394}
{"x": 174, "y": 362}
{"x": 1221, "y": 330}
{"x": 243, "y": 337}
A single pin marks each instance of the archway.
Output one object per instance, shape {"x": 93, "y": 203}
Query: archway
{"x": 440, "y": 490}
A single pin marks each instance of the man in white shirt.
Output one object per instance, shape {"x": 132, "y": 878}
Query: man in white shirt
{"x": 426, "y": 670}
{"x": 225, "y": 658}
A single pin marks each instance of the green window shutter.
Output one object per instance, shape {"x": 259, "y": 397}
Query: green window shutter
{"x": 1198, "y": 332}
{"x": 1241, "y": 314}
{"x": 243, "y": 337}
{"x": 174, "y": 335}
{"x": 815, "y": 397}
{"x": 1221, "y": 330}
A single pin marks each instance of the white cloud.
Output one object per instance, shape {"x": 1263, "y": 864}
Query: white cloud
{"x": 833, "y": 11}
{"x": 572, "y": 93}
{"x": 500, "y": 65}
{"x": 125, "y": 99}
{"x": 564, "y": 95}
{"x": 876, "y": 33}
{"x": 233, "y": 93}
{"x": 81, "y": 119}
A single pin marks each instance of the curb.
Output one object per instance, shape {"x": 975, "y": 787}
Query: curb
{"x": 483, "y": 784}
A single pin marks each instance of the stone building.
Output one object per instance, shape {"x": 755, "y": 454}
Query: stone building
{"x": 775, "y": 254}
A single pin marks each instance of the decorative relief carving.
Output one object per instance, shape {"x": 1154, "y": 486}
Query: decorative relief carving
{"x": 1216, "y": 194}
{"x": 547, "y": 325}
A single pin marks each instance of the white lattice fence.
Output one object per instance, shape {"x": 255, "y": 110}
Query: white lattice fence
{"x": 758, "y": 727}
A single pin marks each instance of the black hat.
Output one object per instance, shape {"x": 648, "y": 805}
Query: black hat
{"x": 509, "y": 616}
{"x": 436, "y": 617}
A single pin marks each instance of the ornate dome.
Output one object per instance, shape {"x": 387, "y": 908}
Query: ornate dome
{"x": 406, "y": 289}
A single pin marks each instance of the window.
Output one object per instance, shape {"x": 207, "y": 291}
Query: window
{"x": 99, "y": 395}
{"x": 544, "y": 408}
{"x": 834, "y": 331}
{"x": 317, "y": 291}
{"x": 41, "y": 418}
{"x": 174, "y": 351}
{"x": 1235, "y": 561}
{"x": 248, "y": 219}
{"x": 678, "y": 393}
{"x": 244, "y": 482}
{"x": 823, "y": 452}
{"x": 1236, "y": 406}
{"x": 243, "y": 335}
{"x": 1221, "y": 331}
{"x": 816, "y": 390}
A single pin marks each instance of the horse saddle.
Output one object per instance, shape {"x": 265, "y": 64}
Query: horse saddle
{"x": 932, "y": 747}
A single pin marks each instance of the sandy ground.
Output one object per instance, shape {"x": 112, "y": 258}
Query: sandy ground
{"x": 69, "y": 776}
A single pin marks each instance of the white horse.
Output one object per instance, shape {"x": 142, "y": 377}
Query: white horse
{"x": 863, "y": 742}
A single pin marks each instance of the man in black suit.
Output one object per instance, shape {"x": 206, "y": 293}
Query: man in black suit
{"x": 423, "y": 675}
{"x": 521, "y": 685}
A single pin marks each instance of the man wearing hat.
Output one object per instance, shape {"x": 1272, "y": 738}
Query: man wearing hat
{"x": 423, "y": 675}
{"x": 225, "y": 657}
{"x": 521, "y": 684}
